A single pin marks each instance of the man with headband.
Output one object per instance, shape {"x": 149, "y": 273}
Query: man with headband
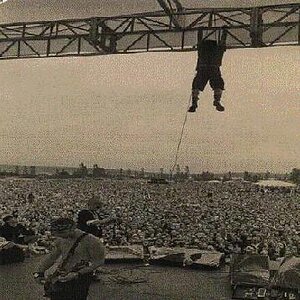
{"x": 80, "y": 253}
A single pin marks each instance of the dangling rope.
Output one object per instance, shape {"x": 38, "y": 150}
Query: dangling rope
{"x": 181, "y": 136}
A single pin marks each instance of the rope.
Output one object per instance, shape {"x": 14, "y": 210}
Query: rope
{"x": 181, "y": 136}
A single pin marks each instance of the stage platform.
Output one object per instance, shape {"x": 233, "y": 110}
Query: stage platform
{"x": 120, "y": 282}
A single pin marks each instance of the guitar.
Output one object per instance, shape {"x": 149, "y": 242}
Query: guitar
{"x": 53, "y": 284}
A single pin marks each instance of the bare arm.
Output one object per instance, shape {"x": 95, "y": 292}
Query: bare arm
{"x": 50, "y": 259}
{"x": 223, "y": 38}
{"x": 101, "y": 222}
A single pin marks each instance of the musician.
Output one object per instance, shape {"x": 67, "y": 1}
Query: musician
{"x": 90, "y": 220}
{"x": 80, "y": 253}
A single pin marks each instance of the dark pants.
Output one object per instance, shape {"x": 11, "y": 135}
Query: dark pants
{"x": 205, "y": 74}
{"x": 77, "y": 289}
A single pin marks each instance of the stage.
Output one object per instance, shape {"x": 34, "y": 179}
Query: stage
{"x": 126, "y": 281}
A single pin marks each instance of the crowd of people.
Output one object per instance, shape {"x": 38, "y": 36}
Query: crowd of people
{"x": 230, "y": 217}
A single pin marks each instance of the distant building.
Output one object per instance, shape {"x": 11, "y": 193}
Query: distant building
{"x": 25, "y": 170}
{"x": 32, "y": 171}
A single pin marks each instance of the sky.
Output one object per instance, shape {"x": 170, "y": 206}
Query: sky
{"x": 33, "y": 10}
{"x": 128, "y": 110}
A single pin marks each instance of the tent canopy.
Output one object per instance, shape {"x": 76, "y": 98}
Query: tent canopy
{"x": 275, "y": 183}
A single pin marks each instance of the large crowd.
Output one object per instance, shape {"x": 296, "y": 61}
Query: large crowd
{"x": 229, "y": 217}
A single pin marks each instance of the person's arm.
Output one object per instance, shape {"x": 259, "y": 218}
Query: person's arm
{"x": 4, "y": 244}
{"x": 101, "y": 222}
{"x": 50, "y": 259}
{"x": 223, "y": 38}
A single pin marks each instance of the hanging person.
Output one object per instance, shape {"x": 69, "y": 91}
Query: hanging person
{"x": 210, "y": 55}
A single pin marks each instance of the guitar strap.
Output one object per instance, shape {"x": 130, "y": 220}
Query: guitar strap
{"x": 71, "y": 251}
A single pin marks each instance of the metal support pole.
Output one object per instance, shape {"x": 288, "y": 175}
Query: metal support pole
{"x": 256, "y": 27}
{"x": 299, "y": 30}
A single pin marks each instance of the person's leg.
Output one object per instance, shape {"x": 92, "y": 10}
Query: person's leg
{"x": 81, "y": 287}
{"x": 61, "y": 292}
{"x": 198, "y": 86}
{"x": 57, "y": 297}
{"x": 195, "y": 94}
{"x": 217, "y": 84}
{"x": 217, "y": 100}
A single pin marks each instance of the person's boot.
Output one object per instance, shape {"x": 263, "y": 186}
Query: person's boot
{"x": 193, "y": 107}
{"x": 195, "y": 98}
{"x": 217, "y": 100}
{"x": 218, "y": 105}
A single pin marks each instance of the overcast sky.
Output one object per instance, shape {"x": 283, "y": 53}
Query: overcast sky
{"x": 127, "y": 110}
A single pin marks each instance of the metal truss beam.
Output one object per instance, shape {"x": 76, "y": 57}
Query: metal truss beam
{"x": 266, "y": 26}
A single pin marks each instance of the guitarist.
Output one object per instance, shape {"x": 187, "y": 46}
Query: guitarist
{"x": 80, "y": 254}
